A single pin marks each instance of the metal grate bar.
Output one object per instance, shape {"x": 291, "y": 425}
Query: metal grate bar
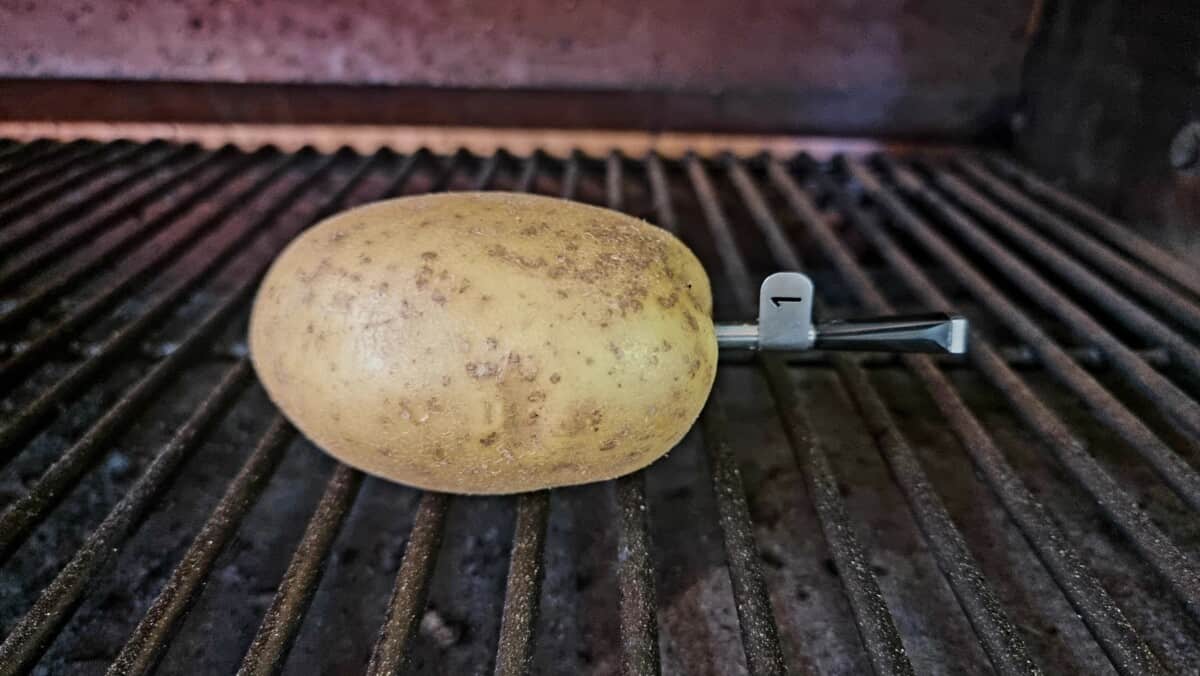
{"x": 522, "y": 595}
{"x": 179, "y": 183}
{"x": 1120, "y": 641}
{"x": 29, "y": 637}
{"x": 992, "y": 626}
{"x": 95, "y": 257}
{"x": 1174, "y": 304}
{"x": 25, "y": 156}
{"x": 514, "y": 651}
{"x": 18, "y": 208}
{"x": 67, "y": 237}
{"x": 660, "y": 190}
{"x": 153, "y": 633}
{"x": 26, "y": 421}
{"x": 151, "y": 636}
{"x": 15, "y": 150}
{"x": 14, "y": 237}
{"x": 283, "y": 619}
{"x": 1087, "y": 329}
{"x": 1183, "y": 352}
{"x": 1109, "y": 229}
{"x": 19, "y": 517}
{"x": 635, "y": 575}
{"x": 871, "y": 614}
{"x": 412, "y": 587}
{"x": 718, "y": 224}
{"x": 760, "y": 636}
{"x": 88, "y": 310}
{"x": 1158, "y": 550}
{"x": 1174, "y": 469}
{"x": 635, "y": 569}
{"x": 286, "y": 614}
{"x": 48, "y": 164}
{"x": 391, "y": 651}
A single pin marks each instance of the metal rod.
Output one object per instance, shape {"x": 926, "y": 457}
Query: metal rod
{"x": 760, "y": 635}
{"x": 727, "y": 247}
{"x": 1166, "y": 559}
{"x": 25, "y": 422}
{"x": 104, "y": 253}
{"x": 18, "y": 208}
{"x": 152, "y": 634}
{"x": 89, "y": 309}
{"x": 1174, "y": 305}
{"x": 283, "y": 618}
{"x": 51, "y": 164}
{"x": 150, "y": 638}
{"x": 68, "y": 237}
{"x": 407, "y": 605}
{"x": 872, "y": 617}
{"x": 1156, "y": 387}
{"x": 1183, "y": 351}
{"x": 13, "y": 156}
{"x": 37, "y": 628}
{"x": 48, "y": 225}
{"x": 996, "y": 632}
{"x": 514, "y": 651}
{"x": 637, "y": 600}
{"x": 635, "y": 579}
{"x": 1174, "y": 469}
{"x": 1108, "y": 624}
{"x": 660, "y": 190}
{"x": 21, "y": 514}
{"x": 1109, "y": 229}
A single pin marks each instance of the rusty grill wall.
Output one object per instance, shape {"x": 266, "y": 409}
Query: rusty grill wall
{"x": 1029, "y": 507}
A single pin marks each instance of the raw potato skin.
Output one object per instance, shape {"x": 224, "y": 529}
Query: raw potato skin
{"x": 487, "y": 342}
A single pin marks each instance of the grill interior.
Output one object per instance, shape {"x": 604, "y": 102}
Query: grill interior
{"x": 1029, "y": 507}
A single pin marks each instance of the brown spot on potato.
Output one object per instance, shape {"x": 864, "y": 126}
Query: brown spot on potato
{"x": 615, "y": 349}
{"x": 554, "y": 378}
{"x": 429, "y": 255}
{"x": 439, "y": 298}
{"x": 536, "y": 396}
{"x": 492, "y": 343}
{"x": 489, "y": 439}
{"x": 481, "y": 370}
{"x": 691, "y": 321}
{"x": 608, "y": 445}
{"x": 668, "y": 302}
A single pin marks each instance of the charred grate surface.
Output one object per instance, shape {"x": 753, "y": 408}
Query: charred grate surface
{"x": 1029, "y": 508}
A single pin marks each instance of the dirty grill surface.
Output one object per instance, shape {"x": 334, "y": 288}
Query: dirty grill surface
{"x": 1029, "y": 507}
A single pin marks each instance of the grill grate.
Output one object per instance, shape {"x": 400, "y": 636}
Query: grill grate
{"x": 156, "y": 512}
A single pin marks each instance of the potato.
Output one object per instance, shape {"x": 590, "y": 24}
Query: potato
{"x": 487, "y": 342}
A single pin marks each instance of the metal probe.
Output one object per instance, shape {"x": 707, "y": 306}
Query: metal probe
{"x": 785, "y": 305}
